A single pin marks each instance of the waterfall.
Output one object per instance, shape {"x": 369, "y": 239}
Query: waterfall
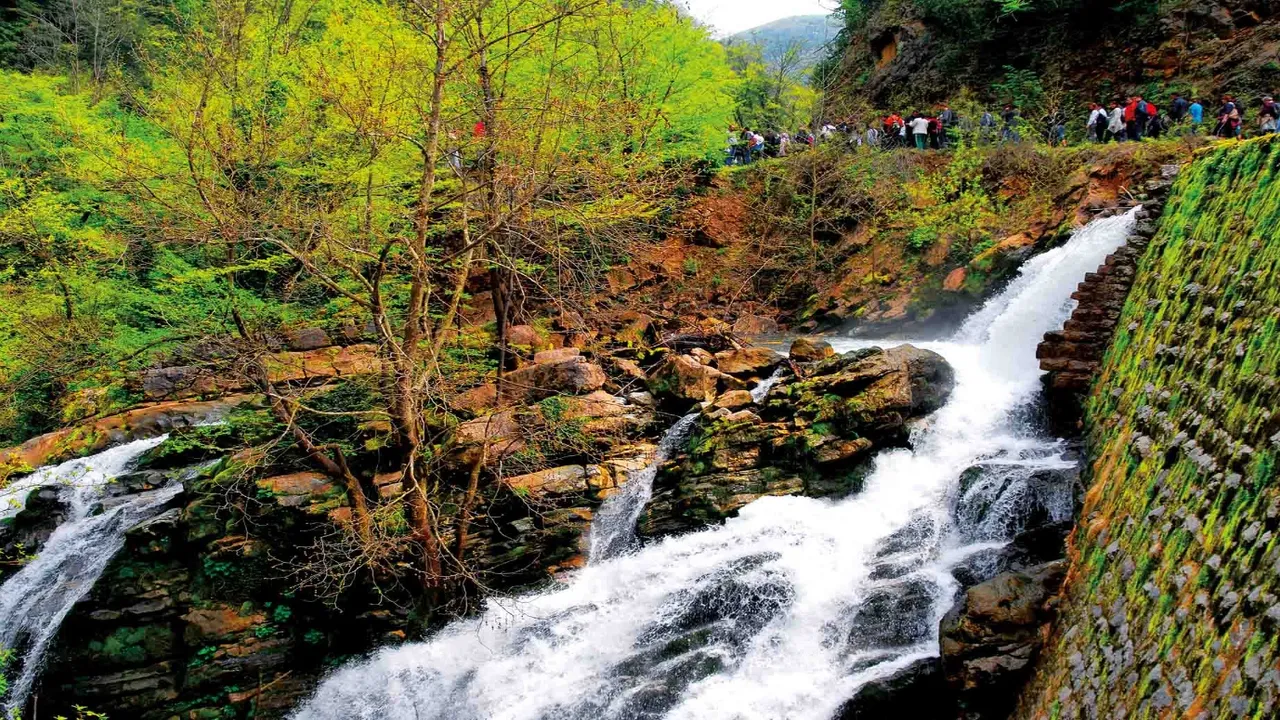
{"x": 613, "y": 531}
{"x": 784, "y": 611}
{"x": 34, "y": 601}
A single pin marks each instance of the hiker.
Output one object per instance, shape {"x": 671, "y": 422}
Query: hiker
{"x": 1010, "y": 130}
{"x": 949, "y": 120}
{"x": 872, "y": 136}
{"x": 986, "y": 126}
{"x": 1268, "y": 116}
{"x": 1135, "y": 118}
{"x": 1158, "y": 123}
{"x": 1115, "y": 122}
{"x": 893, "y": 127}
{"x": 757, "y": 145}
{"x": 1096, "y": 127}
{"x": 1153, "y": 126}
{"x": 920, "y": 130}
{"x": 1056, "y": 129}
{"x": 1229, "y": 119}
{"x": 935, "y": 133}
{"x": 1178, "y": 108}
{"x": 1195, "y": 111}
{"x": 784, "y": 142}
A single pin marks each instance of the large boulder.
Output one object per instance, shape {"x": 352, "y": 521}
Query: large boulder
{"x": 574, "y": 376}
{"x": 810, "y": 436}
{"x": 682, "y": 380}
{"x": 991, "y": 637}
{"x": 749, "y": 361}
{"x": 804, "y": 349}
{"x": 874, "y": 392}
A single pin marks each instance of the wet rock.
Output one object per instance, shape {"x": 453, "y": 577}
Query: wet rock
{"x": 29, "y": 530}
{"x": 147, "y": 421}
{"x": 805, "y": 349}
{"x": 918, "y": 691}
{"x": 749, "y": 361}
{"x": 994, "y": 633}
{"x": 898, "y": 614}
{"x": 811, "y": 436}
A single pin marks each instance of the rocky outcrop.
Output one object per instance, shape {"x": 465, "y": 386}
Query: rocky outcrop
{"x": 1215, "y": 45}
{"x": 992, "y": 636}
{"x": 572, "y": 376}
{"x": 142, "y": 422}
{"x": 810, "y": 435}
{"x": 554, "y": 372}
{"x": 682, "y": 381}
{"x": 1072, "y": 356}
{"x": 310, "y": 366}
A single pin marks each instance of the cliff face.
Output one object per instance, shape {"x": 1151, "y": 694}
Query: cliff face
{"x": 918, "y": 50}
{"x": 1172, "y": 602}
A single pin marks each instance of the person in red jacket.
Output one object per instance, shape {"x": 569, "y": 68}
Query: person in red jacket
{"x": 1136, "y": 116}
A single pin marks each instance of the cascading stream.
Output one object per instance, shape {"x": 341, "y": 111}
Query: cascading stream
{"x": 784, "y": 611}
{"x": 613, "y": 531}
{"x": 34, "y": 601}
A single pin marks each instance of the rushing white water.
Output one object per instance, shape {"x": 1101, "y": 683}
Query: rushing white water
{"x": 784, "y": 611}
{"x": 34, "y": 601}
{"x": 613, "y": 531}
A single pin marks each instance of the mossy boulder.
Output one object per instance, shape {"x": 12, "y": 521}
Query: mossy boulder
{"x": 812, "y": 435}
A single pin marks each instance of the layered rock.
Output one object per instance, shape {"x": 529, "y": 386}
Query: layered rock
{"x": 809, "y": 435}
{"x": 142, "y": 422}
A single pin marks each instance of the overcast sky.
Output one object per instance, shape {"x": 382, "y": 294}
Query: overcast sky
{"x": 731, "y": 16}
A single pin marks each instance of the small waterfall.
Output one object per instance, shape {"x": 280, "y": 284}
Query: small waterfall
{"x": 34, "y": 602}
{"x": 613, "y": 531}
{"x": 783, "y": 612}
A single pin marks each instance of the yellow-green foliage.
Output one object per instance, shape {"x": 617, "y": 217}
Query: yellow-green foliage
{"x": 1174, "y": 601}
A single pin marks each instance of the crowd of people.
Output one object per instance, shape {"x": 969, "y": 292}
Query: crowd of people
{"x": 1127, "y": 120}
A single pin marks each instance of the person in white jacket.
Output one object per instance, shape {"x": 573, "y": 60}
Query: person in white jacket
{"x": 1115, "y": 126}
{"x": 920, "y": 129}
{"x": 1096, "y": 127}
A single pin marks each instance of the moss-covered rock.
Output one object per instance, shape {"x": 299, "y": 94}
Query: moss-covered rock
{"x": 811, "y": 435}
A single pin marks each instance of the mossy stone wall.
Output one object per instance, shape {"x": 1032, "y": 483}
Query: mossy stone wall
{"x": 1172, "y": 607}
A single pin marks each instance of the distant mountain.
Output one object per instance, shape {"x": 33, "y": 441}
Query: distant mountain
{"x": 812, "y": 32}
